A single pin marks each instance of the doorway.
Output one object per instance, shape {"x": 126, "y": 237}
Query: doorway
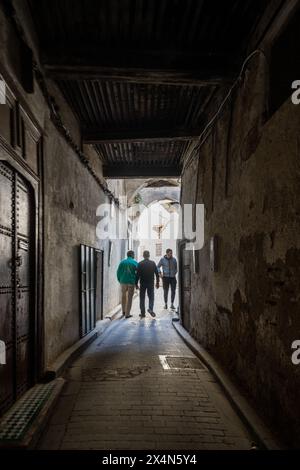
{"x": 91, "y": 288}
{"x": 99, "y": 284}
{"x": 17, "y": 314}
{"x": 185, "y": 262}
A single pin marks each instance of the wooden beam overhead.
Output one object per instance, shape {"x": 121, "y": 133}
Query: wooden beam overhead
{"x": 140, "y": 171}
{"x": 95, "y": 136}
{"x": 146, "y": 76}
{"x": 149, "y": 67}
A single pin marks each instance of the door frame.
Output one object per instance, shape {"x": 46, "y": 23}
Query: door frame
{"x": 10, "y": 157}
{"x": 83, "y": 283}
{"x": 182, "y": 314}
{"x": 180, "y": 245}
{"x": 97, "y": 250}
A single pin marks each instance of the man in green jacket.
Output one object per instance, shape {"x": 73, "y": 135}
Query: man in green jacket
{"x": 126, "y": 276}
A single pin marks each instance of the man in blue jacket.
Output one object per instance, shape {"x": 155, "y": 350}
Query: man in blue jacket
{"x": 126, "y": 276}
{"x": 169, "y": 267}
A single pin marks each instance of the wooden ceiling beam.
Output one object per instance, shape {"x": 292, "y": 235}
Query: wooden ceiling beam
{"x": 149, "y": 67}
{"x": 119, "y": 170}
{"x": 97, "y": 136}
{"x": 144, "y": 76}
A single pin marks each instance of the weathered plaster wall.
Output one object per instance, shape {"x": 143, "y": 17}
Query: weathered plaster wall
{"x": 9, "y": 66}
{"x": 248, "y": 312}
{"x": 71, "y": 200}
{"x": 72, "y": 197}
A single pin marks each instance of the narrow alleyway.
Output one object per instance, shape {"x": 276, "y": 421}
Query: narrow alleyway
{"x": 119, "y": 396}
{"x": 129, "y": 126}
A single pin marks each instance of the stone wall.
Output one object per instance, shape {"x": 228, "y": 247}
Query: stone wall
{"x": 248, "y": 312}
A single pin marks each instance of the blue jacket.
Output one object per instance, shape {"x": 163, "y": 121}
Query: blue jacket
{"x": 168, "y": 265}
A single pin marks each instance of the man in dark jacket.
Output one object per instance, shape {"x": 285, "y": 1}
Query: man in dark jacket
{"x": 169, "y": 266}
{"x": 145, "y": 274}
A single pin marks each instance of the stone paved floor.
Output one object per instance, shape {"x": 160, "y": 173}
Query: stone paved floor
{"x": 119, "y": 396}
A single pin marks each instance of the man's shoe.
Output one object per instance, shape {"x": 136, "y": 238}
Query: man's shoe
{"x": 166, "y": 307}
{"x": 142, "y": 315}
{"x": 172, "y": 307}
{"x": 128, "y": 316}
{"x": 151, "y": 313}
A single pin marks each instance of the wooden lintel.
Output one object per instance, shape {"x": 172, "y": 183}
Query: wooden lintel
{"x": 97, "y": 136}
{"x": 140, "y": 171}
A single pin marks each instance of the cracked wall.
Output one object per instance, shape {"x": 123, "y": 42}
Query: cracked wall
{"x": 248, "y": 312}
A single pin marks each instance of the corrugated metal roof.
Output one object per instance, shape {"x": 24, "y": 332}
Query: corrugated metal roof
{"x": 130, "y": 105}
{"x": 143, "y": 153}
{"x": 169, "y": 33}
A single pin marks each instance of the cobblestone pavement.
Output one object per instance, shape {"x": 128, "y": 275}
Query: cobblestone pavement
{"x": 119, "y": 396}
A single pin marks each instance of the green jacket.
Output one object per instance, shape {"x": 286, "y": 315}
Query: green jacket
{"x": 127, "y": 271}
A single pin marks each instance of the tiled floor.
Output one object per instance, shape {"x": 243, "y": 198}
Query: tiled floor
{"x": 120, "y": 396}
{"x": 18, "y": 419}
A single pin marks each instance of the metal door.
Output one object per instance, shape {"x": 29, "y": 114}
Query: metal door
{"x": 87, "y": 289}
{"x": 16, "y": 285}
{"x": 185, "y": 259}
{"x": 99, "y": 284}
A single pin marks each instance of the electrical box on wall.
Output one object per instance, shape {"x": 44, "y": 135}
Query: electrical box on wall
{"x": 213, "y": 251}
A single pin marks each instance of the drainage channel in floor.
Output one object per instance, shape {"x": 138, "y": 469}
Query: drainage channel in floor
{"x": 18, "y": 419}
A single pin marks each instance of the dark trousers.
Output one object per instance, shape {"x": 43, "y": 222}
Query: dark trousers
{"x": 167, "y": 282}
{"x": 149, "y": 287}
